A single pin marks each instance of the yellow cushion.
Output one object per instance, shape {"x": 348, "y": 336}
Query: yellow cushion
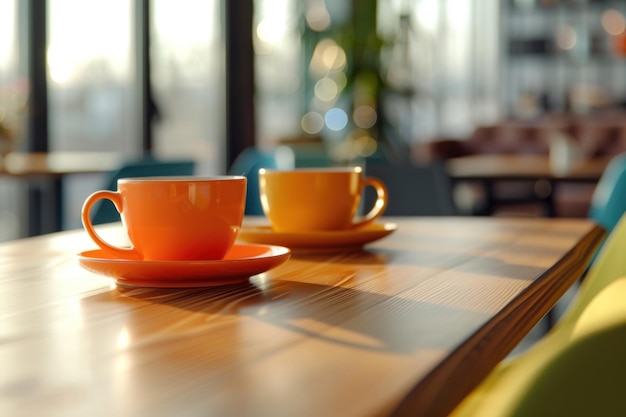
{"x": 596, "y": 315}
{"x": 579, "y": 370}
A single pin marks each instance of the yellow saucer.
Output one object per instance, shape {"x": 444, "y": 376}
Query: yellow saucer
{"x": 318, "y": 241}
{"x": 242, "y": 262}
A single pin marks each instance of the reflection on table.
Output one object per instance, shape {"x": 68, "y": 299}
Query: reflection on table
{"x": 406, "y": 327}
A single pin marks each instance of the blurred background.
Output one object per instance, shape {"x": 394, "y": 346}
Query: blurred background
{"x": 338, "y": 80}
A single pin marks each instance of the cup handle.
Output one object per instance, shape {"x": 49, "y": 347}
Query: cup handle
{"x": 379, "y": 206}
{"x": 116, "y": 198}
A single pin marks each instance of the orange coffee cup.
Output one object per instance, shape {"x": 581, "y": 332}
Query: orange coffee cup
{"x": 312, "y": 199}
{"x": 174, "y": 218}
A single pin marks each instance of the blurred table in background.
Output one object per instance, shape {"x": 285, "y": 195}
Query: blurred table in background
{"x": 44, "y": 173}
{"x": 499, "y": 169}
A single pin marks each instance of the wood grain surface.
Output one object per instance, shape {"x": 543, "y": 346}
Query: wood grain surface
{"x": 405, "y": 327}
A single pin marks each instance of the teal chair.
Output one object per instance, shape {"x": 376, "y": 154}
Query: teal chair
{"x": 104, "y": 211}
{"x": 578, "y": 368}
{"x": 248, "y": 163}
{"x": 608, "y": 201}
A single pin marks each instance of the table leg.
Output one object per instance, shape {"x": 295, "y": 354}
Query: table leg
{"x": 550, "y": 205}
{"x": 45, "y": 206}
{"x": 33, "y": 209}
{"x": 490, "y": 199}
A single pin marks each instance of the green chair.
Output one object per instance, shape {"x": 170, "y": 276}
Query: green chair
{"x": 595, "y": 317}
{"x": 104, "y": 211}
{"x": 585, "y": 377}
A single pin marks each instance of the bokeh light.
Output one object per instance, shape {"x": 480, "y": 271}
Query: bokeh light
{"x": 327, "y": 56}
{"x": 267, "y": 31}
{"x": 312, "y": 123}
{"x": 317, "y": 16}
{"x": 334, "y": 57}
{"x": 336, "y": 119}
{"x": 365, "y": 145}
{"x": 326, "y": 89}
{"x": 565, "y": 37}
{"x": 364, "y": 116}
{"x": 613, "y": 22}
{"x": 340, "y": 79}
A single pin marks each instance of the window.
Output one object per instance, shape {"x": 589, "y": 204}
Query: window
{"x": 188, "y": 81}
{"x": 91, "y": 93}
{"x": 13, "y": 99}
{"x": 93, "y": 78}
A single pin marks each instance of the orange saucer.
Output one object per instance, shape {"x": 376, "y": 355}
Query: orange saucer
{"x": 239, "y": 265}
{"x": 318, "y": 241}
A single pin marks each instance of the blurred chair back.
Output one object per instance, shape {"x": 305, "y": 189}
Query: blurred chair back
{"x": 414, "y": 189}
{"x": 579, "y": 364}
{"x": 105, "y": 212}
{"x": 608, "y": 265}
{"x": 608, "y": 201}
{"x": 585, "y": 377}
{"x": 579, "y": 377}
{"x": 248, "y": 163}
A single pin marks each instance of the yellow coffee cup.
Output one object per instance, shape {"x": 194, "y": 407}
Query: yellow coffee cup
{"x": 312, "y": 199}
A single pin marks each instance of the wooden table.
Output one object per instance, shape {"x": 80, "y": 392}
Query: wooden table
{"x": 496, "y": 168}
{"x": 405, "y": 328}
{"x": 45, "y": 172}
{"x": 57, "y": 164}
